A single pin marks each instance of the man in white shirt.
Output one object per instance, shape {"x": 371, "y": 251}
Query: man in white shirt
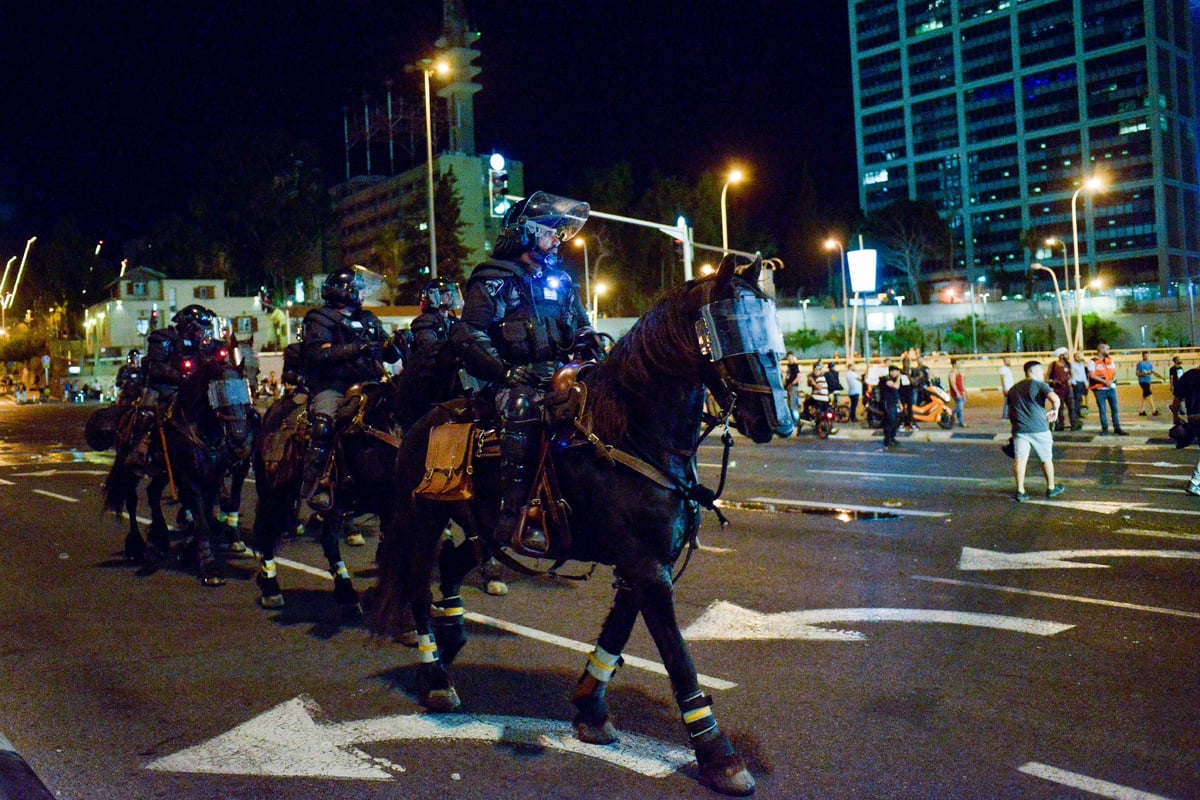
{"x": 1006, "y": 383}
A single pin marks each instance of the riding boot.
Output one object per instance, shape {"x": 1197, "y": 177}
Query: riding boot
{"x": 518, "y": 452}
{"x": 315, "y": 485}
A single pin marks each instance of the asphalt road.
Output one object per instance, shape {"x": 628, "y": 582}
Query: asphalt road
{"x": 858, "y": 627}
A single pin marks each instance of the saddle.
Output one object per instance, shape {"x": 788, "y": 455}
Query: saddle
{"x": 455, "y": 446}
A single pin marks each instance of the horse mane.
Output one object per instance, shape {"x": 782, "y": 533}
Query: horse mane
{"x": 654, "y": 351}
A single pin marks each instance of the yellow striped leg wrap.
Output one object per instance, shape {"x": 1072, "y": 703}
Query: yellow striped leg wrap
{"x": 267, "y": 565}
{"x": 427, "y": 648}
{"x": 340, "y": 570}
{"x": 230, "y": 519}
{"x": 451, "y": 609}
{"x": 697, "y": 714}
{"x": 601, "y": 664}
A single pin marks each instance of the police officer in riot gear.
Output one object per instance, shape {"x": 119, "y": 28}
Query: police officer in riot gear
{"x": 172, "y": 354}
{"x": 521, "y": 318}
{"x": 344, "y": 344}
{"x": 431, "y": 365}
{"x": 129, "y": 378}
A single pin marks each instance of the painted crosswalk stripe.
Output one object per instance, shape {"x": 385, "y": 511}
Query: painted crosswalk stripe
{"x": 62, "y": 497}
{"x": 1092, "y": 785}
{"x": 895, "y": 475}
{"x": 907, "y": 512}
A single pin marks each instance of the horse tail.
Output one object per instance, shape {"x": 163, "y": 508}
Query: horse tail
{"x": 120, "y": 482}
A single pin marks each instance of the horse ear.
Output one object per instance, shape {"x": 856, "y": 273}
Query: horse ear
{"x": 726, "y": 270}
{"x": 750, "y": 273}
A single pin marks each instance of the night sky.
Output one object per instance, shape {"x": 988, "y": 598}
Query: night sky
{"x": 107, "y": 106}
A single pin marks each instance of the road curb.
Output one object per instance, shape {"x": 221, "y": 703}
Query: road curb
{"x": 852, "y": 432}
{"x": 18, "y": 781}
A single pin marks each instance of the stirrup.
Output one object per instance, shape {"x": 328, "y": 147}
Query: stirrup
{"x": 321, "y": 499}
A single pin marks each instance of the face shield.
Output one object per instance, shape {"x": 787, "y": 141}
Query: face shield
{"x": 368, "y": 283}
{"x": 447, "y": 297}
{"x": 229, "y": 393}
{"x": 561, "y": 217}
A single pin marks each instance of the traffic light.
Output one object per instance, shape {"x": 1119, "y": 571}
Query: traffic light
{"x": 497, "y": 186}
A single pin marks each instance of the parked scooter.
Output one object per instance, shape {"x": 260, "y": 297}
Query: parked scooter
{"x": 934, "y": 404}
{"x": 821, "y": 419}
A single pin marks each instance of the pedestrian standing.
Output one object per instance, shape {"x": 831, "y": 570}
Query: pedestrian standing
{"x": 791, "y": 382}
{"x": 1187, "y": 413}
{"x": 1031, "y": 427}
{"x": 907, "y": 391}
{"x": 1102, "y": 375}
{"x": 1145, "y": 376}
{"x": 889, "y": 398}
{"x": 854, "y": 388}
{"x": 1059, "y": 378}
{"x": 1078, "y": 390}
{"x": 958, "y": 391}
{"x": 1006, "y": 383}
{"x": 834, "y": 381}
{"x": 1175, "y": 373}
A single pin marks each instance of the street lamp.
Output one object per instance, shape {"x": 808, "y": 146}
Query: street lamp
{"x": 428, "y": 66}
{"x": 831, "y": 243}
{"x": 735, "y": 176}
{"x": 971, "y": 289}
{"x": 1062, "y": 311}
{"x": 587, "y": 278}
{"x": 1053, "y": 242}
{"x": 1092, "y": 184}
{"x": 601, "y": 288}
{"x": 804, "y": 306}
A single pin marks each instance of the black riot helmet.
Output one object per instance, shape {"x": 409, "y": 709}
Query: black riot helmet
{"x": 196, "y": 322}
{"x": 442, "y": 294}
{"x": 537, "y": 215}
{"x": 134, "y": 358}
{"x": 342, "y": 289}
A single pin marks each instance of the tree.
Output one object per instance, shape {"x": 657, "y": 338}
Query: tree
{"x": 907, "y": 335}
{"x": 414, "y": 271}
{"x": 1096, "y": 329}
{"x": 912, "y": 233}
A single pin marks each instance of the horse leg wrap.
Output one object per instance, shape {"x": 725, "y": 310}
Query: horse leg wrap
{"x": 267, "y": 567}
{"x": 602, "y": 664}
{"x": 339, "y": 570}
{"x": 448, "y": 628}
{"x": 427, "y": 649}
{"x": 696, "y": 710}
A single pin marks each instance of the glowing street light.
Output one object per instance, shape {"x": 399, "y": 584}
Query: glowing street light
{"x": 735, "y": 176}
{"x": 428, "y": 67}
{"x": 587, "y": 278}
{"x": 830, "y": 244}
{"x": 1092, "y": 184}
{"x": 601, "y": 288}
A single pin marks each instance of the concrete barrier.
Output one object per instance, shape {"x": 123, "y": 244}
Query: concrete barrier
{"x": 18, "y": 781}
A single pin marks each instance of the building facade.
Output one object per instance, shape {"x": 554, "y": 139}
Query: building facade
{"x": 997, "y": 111}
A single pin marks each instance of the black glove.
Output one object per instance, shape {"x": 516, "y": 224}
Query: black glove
{"x": 588, "y": 346}
{"x": 521, "y": 375}
{"x": 368, "y": 348}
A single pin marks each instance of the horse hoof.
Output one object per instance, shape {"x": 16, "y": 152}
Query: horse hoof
{"x": 441, "y": 700}
{"x": 596, "y": 734}
{"x": 271, "y": 601}
{"x": 728, "y": 775}
{"x": 271, "y": 596}
{"x": 497, "y": 588}
{"x": 355, "y": 540}
{"x": 236, "y": 546}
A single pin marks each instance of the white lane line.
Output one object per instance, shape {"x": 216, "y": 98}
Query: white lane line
{"x": 533, "y": 633}
{"x": 62, "y": 497}
{"x": 717, "y": 550}
{"x": 1192, "y": 537}
{"x": 1162, "y": 477}
{"x": 907, "y": 512}
{"x": 1091, "y": 785}
{"x": 895, "y": 475}
{"x": 1053, "y": 596}
{"x": 1162, "y": 491}
{"x": 732, "y": 464}
{"x": 6, "y": 483}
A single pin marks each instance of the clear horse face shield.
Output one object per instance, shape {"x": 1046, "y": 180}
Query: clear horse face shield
{"x": 746, "y": 325}
{"x": 229, "y": 393}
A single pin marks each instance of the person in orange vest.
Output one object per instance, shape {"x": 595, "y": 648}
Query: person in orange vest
{"x": 1102, "y": 378}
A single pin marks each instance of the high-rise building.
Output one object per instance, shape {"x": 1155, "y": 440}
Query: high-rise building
{"x": 996, "y": 111}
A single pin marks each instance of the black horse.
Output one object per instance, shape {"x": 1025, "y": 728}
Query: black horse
{"x": 202, "y": 449}
{"x": 362, "y": 466}
{"x": 646, "y": 400}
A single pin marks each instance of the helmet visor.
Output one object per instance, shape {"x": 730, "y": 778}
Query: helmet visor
{"x": 447, "y": 296}
{"x": 744, "y": 324}
{"x": 561, "y": 216}
{"x": 368, "y": 283}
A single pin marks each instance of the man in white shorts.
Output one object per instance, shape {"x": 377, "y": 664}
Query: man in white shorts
{"x": 1026, "y": 402}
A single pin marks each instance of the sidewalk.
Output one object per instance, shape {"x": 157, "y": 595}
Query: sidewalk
{"x": 982, "y": 415}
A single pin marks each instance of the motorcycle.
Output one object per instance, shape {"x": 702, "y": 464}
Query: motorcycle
{"x": 934, "y": 404}
{"x": 821, "y": 419}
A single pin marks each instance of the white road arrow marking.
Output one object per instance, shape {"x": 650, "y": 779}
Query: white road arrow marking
{"x": 973, "y": 559}
{"x": 62, "y": 497}
{"x": 1095, "y": 506}
{"x": 726, "y": 621}
{"x": 1091, "y": 785}
{"x": 287, "y": 741}
{"x": 46, "y": 473}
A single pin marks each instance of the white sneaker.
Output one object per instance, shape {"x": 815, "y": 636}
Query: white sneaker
{"x": 1193, "y": 488}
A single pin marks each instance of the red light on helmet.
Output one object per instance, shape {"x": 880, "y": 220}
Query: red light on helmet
{"x": 187, "y": 365}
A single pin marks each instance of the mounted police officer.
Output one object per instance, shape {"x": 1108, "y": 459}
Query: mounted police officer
{"x": 431, "y": 365}
{"x": 129, "y": 378}
{"x": 172, "y": 354}
{"x": 344, "y": 344}
{"x": 521, "y": 320}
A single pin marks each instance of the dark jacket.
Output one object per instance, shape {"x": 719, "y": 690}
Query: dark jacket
{"x": 341, "y": 350}
{"x": 514, "y": 318}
